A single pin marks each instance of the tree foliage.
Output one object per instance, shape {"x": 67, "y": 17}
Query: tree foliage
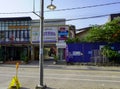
{"x": 111, "y": 54}
{"x": 109, "y": 32}
{"x": 73, "y": 40}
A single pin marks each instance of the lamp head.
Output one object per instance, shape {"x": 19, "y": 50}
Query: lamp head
{"x": 51, "y": 6}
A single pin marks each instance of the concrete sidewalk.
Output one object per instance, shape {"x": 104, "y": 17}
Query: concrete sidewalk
{"x": 62, "y": 65}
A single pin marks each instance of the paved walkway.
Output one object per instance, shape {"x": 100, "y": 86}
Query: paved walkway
{"x": 62, "y": 65}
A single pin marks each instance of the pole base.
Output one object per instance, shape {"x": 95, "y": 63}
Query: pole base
{"x": 40, "y": 87}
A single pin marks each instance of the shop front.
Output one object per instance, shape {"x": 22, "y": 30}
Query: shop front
{"x": 14, "y": 53}
{"x": 48, "y": 52}
{"x": 15, "y": 38}
{"x": 54, "y": 41}
{"x": 49, "y": 38}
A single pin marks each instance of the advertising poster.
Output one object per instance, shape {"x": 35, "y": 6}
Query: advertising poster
{"x": 49, "y": 34}
{"x": 35, "y": 35}
{"x": 63, "y": 33}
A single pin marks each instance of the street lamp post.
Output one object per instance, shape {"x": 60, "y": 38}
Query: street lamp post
{"x": 40, "y": 85}
{"x": 41, "y": 42}
{"x": 41, "y": 45}
{"x": 51, "y": 6}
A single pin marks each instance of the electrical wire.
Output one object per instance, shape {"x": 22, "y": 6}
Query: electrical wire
{"x": 89, "y": 17}
{"x": 82, "y": 18}
{"x": 99, "y": 5}
{"x": 18, "y": 12}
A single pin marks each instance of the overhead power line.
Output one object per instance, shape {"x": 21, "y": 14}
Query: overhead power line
{"x": 18, "y": 12}
{"x": 91, "y": 6}
{"x": 82, "y": 18}
{"x": 89, "y": 17}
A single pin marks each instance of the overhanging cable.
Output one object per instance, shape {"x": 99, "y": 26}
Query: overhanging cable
{"x": 18, "y": 12}
{"x": 89, "y": 17}
{"x": 99, "y": 5}
{"x": 91, "y": 6}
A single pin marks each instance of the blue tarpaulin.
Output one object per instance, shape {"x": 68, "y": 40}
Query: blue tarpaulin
{"x": 82, "y": 52}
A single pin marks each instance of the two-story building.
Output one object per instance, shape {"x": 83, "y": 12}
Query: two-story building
{"x": 55, "y": 33}
{"x": 14, "y": 38}
{"x": 19, "y": 37}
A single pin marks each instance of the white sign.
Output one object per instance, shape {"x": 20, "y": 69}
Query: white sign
{"x": 61, "y": 45}
{"x": 49, "y": 34}
{"x": 35, "y": 34}
{"x": 77, "y": 53}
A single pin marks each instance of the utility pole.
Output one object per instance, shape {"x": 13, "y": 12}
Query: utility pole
{"x": 41, "y": 46}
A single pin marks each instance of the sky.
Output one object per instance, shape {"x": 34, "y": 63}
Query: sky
{"x": 8, "y": 7}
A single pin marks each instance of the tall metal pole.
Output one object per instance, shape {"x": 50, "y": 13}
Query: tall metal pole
{"x": 41, "y": 46}
{"x": 41, "y": 41}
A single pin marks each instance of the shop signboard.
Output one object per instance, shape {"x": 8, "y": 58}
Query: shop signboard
{"x": 49, "y": 34}
{"x": 35, "y": 35}
{"x": 63, "y": 33}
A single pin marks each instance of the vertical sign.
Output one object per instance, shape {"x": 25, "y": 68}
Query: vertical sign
{"x": 63, "y": 33}
{"x": 35, "y": 35}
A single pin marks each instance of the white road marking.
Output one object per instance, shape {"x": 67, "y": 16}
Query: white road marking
{"x": 90, "y": 80}
{"x": 63, "y": 75}
{"x": 63, "y": 78}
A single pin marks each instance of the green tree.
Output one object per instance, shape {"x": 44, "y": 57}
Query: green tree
{"x": 112, "y": 55}
{"x": 109, "y": 32}
{"x": 73, "y": 40}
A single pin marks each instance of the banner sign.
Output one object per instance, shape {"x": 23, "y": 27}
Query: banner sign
{"x": 35, "y": 35}
{"x": 63, "y": 33}
{"x": 49, "y": 34}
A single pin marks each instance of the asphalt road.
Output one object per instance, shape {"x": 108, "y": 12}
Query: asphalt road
{"x": 61, "y": 77}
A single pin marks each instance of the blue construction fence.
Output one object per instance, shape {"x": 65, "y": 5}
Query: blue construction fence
{"x": 86, "y": 52}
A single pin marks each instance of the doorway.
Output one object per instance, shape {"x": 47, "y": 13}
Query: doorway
{"x": 61, "y": 53}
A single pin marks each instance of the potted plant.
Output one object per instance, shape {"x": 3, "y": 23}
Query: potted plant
{"x": 1, "y": 56}
{"x": 24, "y": 58}
{"x": 1, "y": 60}
{"x": 55, "y": 59}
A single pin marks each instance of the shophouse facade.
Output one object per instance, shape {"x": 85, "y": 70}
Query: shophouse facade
{"x": 14, "y": 38}
{"x": 19, "y": 38}
{"x": 54, "y": 35}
